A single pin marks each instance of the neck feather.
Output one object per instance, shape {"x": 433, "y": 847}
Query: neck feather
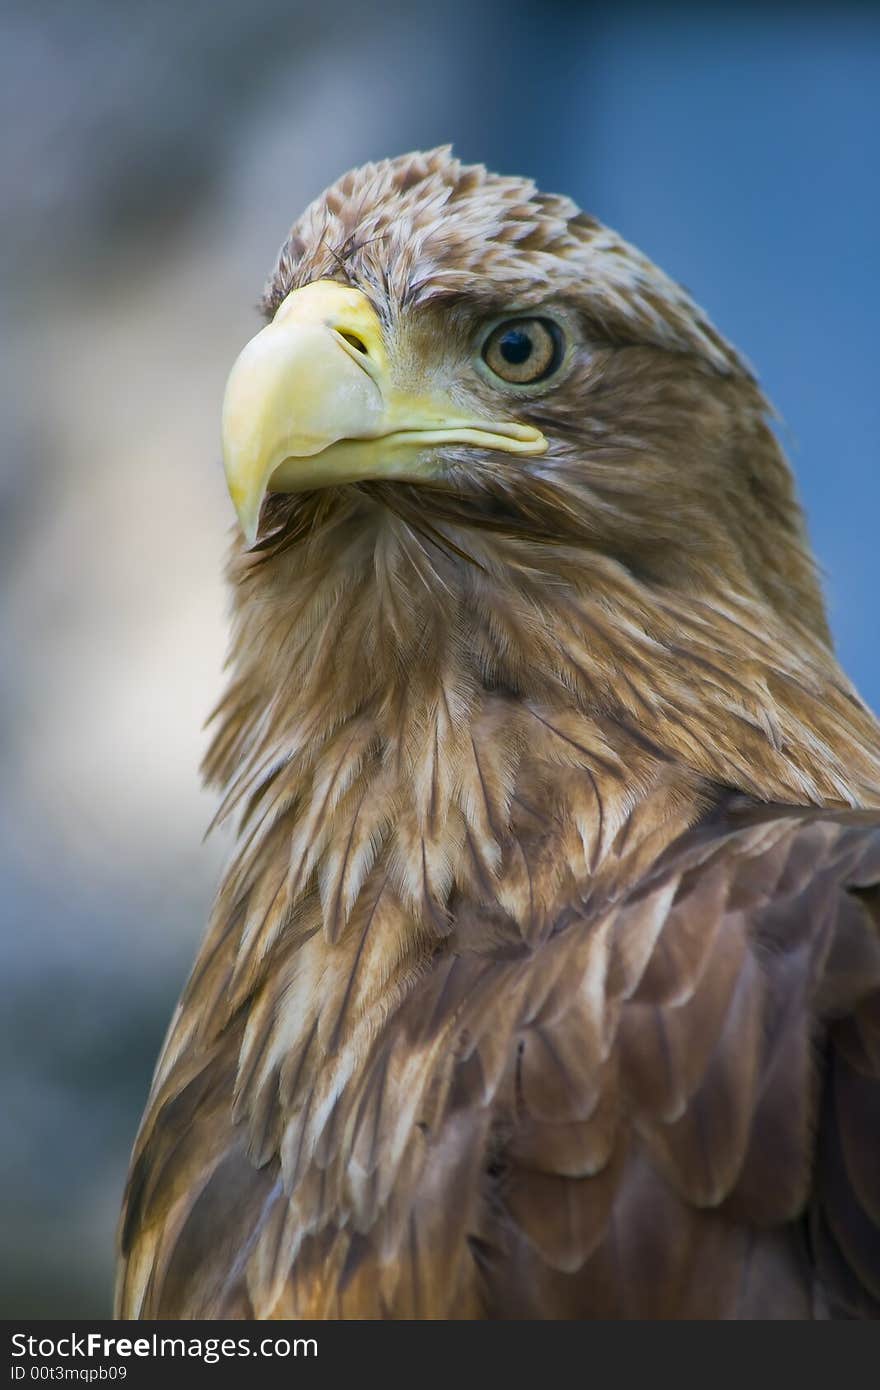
{"x": 477, "y": 730}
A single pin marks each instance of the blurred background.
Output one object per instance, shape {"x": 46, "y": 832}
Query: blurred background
{"x": 153, "y": 157}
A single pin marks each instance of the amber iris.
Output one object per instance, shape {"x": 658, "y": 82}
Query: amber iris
{"x": 523, "y": 351}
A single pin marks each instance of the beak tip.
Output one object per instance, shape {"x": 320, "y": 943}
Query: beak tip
{"x": 248, "y": 503}
{"x": 250, "y": 526}
{"x": 249, "y": 522}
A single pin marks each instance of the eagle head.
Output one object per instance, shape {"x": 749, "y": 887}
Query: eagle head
{"x": 460, "y": 350}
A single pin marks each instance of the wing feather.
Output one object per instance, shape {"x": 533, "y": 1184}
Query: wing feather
{"x": 666, "y": 1106}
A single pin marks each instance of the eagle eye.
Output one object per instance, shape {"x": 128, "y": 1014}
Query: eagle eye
{"x": 523, "y": 351}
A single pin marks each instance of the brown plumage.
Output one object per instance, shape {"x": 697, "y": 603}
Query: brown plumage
{"x": 545, "y": 981}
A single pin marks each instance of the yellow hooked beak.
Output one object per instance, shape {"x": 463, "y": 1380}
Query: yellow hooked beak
{"x": 310, "y": 402}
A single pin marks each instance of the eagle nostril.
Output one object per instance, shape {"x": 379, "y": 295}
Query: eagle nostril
{"x": 355, "y": 341}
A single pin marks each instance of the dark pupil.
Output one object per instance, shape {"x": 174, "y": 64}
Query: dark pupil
{"x": 515, "y": 347}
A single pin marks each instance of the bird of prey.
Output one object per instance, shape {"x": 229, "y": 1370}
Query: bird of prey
{"x": 545, "y": 979}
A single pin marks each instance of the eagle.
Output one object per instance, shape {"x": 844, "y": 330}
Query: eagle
{"x": 544, "y": 979}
